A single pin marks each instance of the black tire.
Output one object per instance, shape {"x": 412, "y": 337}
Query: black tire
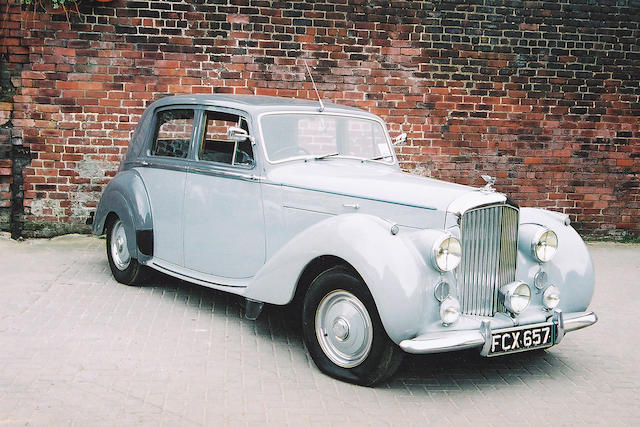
{"x": 375, "y": 358}
{"x": 124, "y": 267}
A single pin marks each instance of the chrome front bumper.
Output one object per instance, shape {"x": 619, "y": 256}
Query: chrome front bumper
{"x": 460, "y": 340}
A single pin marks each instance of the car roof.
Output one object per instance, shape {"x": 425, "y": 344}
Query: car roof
{"x": 256, "y": 104}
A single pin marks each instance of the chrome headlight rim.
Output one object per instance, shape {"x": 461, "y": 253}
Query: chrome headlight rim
{"x": 436, "y": 251}
{"x": 516, "y": 297}
{"x": 536, "y": 244}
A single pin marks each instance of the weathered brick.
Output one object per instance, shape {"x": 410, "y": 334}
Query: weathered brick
{"x": 521, "y": 91}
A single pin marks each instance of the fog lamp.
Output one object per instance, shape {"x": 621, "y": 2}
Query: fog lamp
{"x": 515, "y": 296}
{"x": 447, "y": 253}
{"x": 551, "y": 297}
{"x": 449, "y": 311}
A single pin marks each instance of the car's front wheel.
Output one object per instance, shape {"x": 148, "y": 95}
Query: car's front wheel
{"x": 343, "y": 332}
{"x": 124, "y": 267}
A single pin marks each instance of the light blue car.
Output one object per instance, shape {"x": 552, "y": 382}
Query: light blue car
{"x": 286, "y": 201}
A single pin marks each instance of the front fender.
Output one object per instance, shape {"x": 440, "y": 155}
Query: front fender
{"x": 571, "y": 269}
{"x": 126, "y": 196}
{"x": 393, "y": 268}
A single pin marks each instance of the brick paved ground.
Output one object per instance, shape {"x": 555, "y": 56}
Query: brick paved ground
{"x": 76, "y": 348}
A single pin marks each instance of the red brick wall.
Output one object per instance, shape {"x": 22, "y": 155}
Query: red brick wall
{"x": 543, "y": 95}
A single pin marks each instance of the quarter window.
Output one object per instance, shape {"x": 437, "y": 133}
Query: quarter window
{"x": 173, "y": 133}
{"x": 217, "y": 147}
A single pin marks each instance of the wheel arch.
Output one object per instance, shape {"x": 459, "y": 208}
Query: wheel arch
{"x": 126, "y": 196}
{"x": 391, "y": 267}
{"x": 313, "y": 269}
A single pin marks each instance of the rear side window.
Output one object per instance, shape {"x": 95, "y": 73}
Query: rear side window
{"x": 173, "y": 133}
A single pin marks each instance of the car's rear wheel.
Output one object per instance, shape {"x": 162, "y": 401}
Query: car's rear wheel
{"x": 124, "y": 267}
{"x": 343, "y": 332}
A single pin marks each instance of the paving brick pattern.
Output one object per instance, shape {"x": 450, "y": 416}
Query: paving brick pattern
{"x": 77, "y": 348}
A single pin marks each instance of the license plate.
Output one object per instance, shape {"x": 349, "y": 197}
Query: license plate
{"x": 522, "y": 338}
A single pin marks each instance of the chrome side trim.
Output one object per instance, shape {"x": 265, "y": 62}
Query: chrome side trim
{"x": 175, "y": 273}
{"x": 168, "y": 165}
{"x": 236, "y": 286}
{"x": 223, "y": 173}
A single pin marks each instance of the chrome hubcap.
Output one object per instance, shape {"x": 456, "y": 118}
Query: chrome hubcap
{"x": 119, "y": 249}
{"x": 343, "y": 328}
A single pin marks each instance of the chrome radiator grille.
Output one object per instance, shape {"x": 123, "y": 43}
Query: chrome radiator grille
{"x": 489, "y": 251}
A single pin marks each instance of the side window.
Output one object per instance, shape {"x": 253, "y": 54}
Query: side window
{"x": 217, "y": 147}
{"x": 173, "y": 133}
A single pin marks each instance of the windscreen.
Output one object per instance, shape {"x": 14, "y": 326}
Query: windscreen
{"x": 311, "y": 135}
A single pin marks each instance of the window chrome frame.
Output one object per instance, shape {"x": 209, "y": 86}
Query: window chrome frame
{"x": 202, "y": 164}
{"x": 151, "y": 137}
{"x": 393, "y": 161}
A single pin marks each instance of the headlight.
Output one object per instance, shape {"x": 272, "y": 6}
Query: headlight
{"x": 544, "y": 245}
{"x": 447, "y": 253}
{"x": 551, "y": 297}
{"x": 515, "y": 296}
{"x": 449, "y": 311}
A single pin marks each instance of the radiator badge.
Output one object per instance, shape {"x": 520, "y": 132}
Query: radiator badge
{"x": 490, "y": 181}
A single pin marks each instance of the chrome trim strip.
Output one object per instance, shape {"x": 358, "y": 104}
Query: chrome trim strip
{"x": 224, "y": 173}
{"x": 161, "y": 165}
{"x": 176, "y": 274}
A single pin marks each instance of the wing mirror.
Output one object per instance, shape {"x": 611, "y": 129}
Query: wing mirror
{"x": 237, "y": 134}
{"x": 400, "y": 139}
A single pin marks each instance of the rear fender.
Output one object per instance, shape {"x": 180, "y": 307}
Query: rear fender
{"x": 127, "y": 197}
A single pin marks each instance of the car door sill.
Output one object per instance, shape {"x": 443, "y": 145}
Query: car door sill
{"x": 237, "y": 286}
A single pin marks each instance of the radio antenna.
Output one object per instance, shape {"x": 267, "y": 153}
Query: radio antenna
{"x": 314, "y": 86}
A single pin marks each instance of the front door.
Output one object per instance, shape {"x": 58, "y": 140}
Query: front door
{"x": 223, "y": 220}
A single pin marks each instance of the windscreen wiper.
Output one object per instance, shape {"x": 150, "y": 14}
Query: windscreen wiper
{"x": 380, "y": 157}
{"x": 324, "y": 156}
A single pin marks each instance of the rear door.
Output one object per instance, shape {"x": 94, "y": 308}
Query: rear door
{"x": 164, "y": 177}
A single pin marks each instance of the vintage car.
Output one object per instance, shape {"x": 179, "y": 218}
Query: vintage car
{"x": 286, "y": 201}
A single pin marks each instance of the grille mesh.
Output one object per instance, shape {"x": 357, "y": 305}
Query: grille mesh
{"x": 489, "y": 251}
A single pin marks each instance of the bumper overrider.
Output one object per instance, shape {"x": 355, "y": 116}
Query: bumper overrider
{"x": 485, "y": 338}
